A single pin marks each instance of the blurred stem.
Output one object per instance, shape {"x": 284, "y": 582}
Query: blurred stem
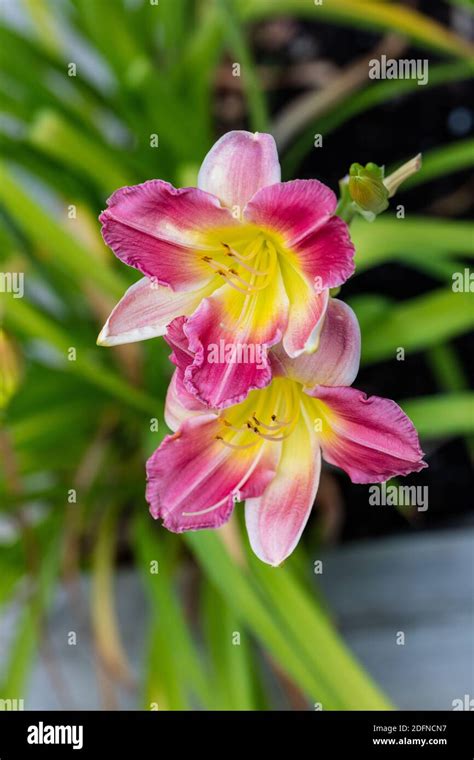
{"x": 356, "y": 103}
{"x": 258, "y": 112}
{"x": 230, "y": 653}
{"x": 364, "y": 13}
{"x": 104, "y": 619}
{"x": 345, "y": 207}
{"x": 449, "y": 374}
{"x": 90, "y": 465}
{"x": 178, "y": 662}
{"x": 11, "y": 470}
{"x": 106, "y": 26}
{"x": 310, "y": 106}
{"x": 26, "y": 640}
{"x": 163, "y": 690}
{"x": 45, "y": 26}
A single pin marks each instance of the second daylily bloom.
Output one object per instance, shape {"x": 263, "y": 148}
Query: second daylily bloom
{"x": 266, "y": 450}
{"x": 248, "y": 259}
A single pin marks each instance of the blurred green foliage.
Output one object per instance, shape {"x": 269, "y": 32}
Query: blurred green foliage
{"x": 76, "y": 433}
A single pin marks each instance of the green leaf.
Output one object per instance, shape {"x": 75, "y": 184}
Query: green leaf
{"x": 257, "y": 610}
{"x": 58, "y": 138}
{"x": 24, "y": 318}
{"x": 64, "y": 250}
{"x": 417, "y": 324}
{"x": 444, "y": 415}
{"x": 233, "y": 687}
{"x": 178, "y": 644}
{"x": 312, "y": 632}
{"x": 387, "y": 237}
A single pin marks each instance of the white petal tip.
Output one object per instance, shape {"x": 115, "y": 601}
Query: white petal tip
{"x": 106, "y": 339}
{"x": 102, "y": 338}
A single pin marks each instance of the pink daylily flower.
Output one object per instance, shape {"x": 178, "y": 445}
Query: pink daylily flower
{"x": 246, "y": 258}
{"x": 266, "y": 450}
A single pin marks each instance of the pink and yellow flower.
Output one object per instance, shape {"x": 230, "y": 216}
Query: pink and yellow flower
{"x": 266, "y": 450}
{"x": 245, "y": 257}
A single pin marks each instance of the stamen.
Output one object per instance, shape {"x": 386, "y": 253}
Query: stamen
{"x": 270, "y": 427}
{"x": 254, "y": 247}
{"x": 234, "y": 427}
{"x": 225, "y": 272}
{"x": 281, "y": 429}
{"x": 246, "y": 292}
{"x": 251, "y": 270}
{"x": 240, "y": 446}
{"x": 209, "y": 509}
{"x": 274, "y": 437}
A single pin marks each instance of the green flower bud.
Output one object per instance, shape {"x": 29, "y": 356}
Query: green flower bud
{"x": 367, "y": 189}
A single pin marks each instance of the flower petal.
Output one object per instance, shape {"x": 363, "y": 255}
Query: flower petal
{"x": 193, "y": 480}
{"x": 158, "y": 230}
{"x": 326, "y": 255}
{"x": 306, "y": 312}
{"x": 238, "y": 165}
{"x": 336, "y": 361}
{"x": 276, "y": 520}
{"x": 177, "y": 339}
{"x": 317, "y": 244}
{"x": 180, "y": 404}
{"x": 370, "y": 438}
{"x": 292, "y": 209}
{"x": 228, "y": 336}
{"x": 145, "y": 311}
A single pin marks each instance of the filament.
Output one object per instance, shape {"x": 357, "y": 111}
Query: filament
{"x": 240, "y": 446}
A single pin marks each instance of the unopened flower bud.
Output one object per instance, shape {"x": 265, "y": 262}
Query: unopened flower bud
{"x": 367, "y": 189}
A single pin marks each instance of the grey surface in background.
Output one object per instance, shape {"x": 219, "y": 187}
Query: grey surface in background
{"x": 421, "y": 585}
